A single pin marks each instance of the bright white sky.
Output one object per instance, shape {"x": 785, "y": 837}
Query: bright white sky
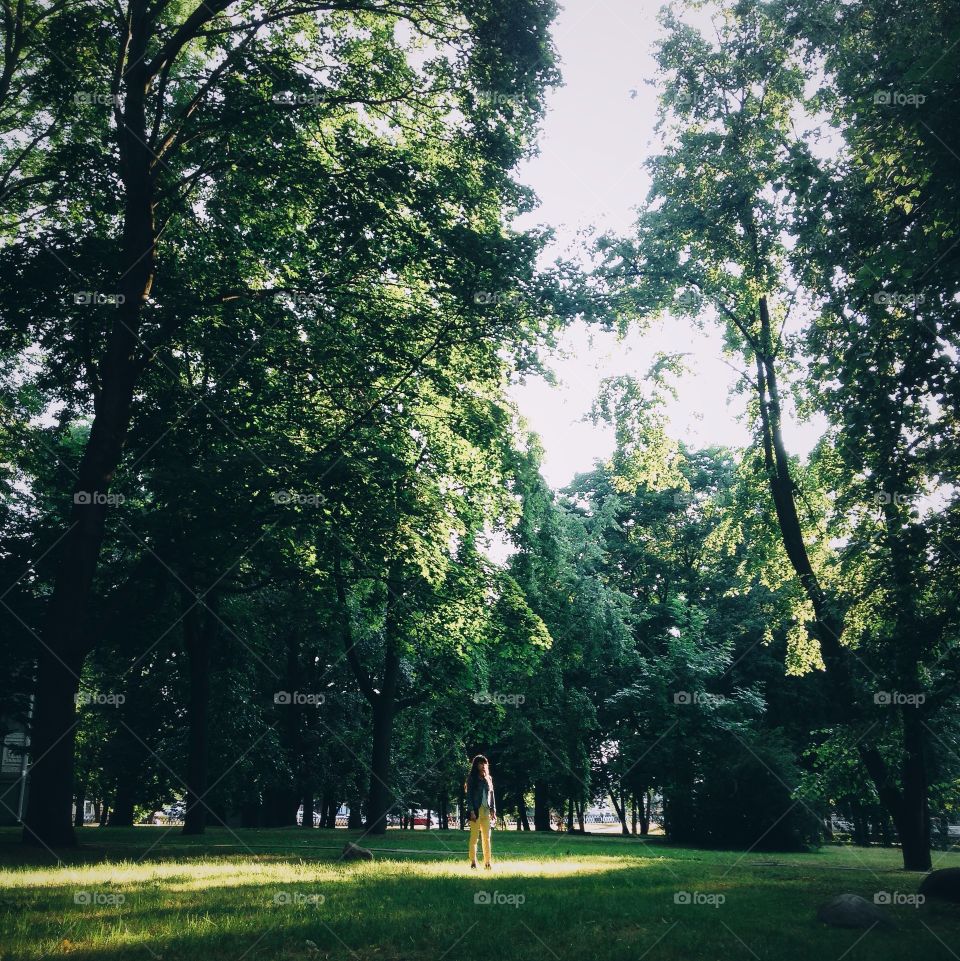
{"x": 597, "y": 133}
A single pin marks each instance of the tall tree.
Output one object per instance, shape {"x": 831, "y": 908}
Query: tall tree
{"x": 178, "y": 100}
{"x": 714, "y": 236}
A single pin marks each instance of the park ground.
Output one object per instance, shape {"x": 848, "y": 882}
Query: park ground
{"x": 152, "y": 895}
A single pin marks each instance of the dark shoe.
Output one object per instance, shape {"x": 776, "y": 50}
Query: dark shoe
{"x": 489, "y": 867}
{"x": 474, "y": 865}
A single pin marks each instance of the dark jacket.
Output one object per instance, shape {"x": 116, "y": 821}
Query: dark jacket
{"x": 479, "y": 793}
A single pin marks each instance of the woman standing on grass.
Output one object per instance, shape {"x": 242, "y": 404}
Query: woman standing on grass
{"x": 482, "y": 808}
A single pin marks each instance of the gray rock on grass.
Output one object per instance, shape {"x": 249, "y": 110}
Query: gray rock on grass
{"x": 852, "y": 911}
{"x": 353, "y": 852}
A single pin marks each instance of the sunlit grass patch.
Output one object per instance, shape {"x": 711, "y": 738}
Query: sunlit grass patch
{"x": 547, "y": 896}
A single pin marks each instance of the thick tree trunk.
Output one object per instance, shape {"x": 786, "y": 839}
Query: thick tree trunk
{"x": 199, "y": 633}
{"x": 127, "y": 756}
{"x": 251, "y": 814}
{"x": 123, "y": 804}
{"x": 78, "y": 810}
{"x": 280, "y": 806}
{"x": 914, "y": 822}
{"x": 541, "y": 806}
{"x": 383, "y": 701}
{"x": 47, "y": 820}
{"x": 380, "y": 800}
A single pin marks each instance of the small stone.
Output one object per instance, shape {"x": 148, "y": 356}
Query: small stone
{"x": 353, "y": 852}
{"x": 851, "y": 911}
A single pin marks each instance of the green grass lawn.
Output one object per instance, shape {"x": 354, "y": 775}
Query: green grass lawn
{"x": 148, "y": 893}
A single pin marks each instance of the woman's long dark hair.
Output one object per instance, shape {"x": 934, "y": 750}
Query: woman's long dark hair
{"x": 475, "y": 772}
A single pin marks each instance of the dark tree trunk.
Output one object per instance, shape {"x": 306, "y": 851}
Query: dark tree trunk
{"x": 382, "y": 700}
{"x": 541, "y": 807}
{"x": 645, "y": 801}
{"x": 251, "y": 813}
{"x": 199, "y": 634}
{"x": 308, "y": 810}
{"x": 355, "y": 819}
{"x": 913, "y": 825}
{"x": 633, "y": 812}
{"x": 47, "y": 819}
{"x": 78, "y": 811}
{"x": 620, "y": 806}
{"x": 380, "y": 800}
{"x": 280, "y": 807}
{"x": 123, "y": 804}
{"x": 443, "y": 813}
{"x": 570, "y": 816}
{"x": 861, "y": 830}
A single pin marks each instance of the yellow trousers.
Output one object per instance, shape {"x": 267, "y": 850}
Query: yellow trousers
{"x": 480, "y": 828}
